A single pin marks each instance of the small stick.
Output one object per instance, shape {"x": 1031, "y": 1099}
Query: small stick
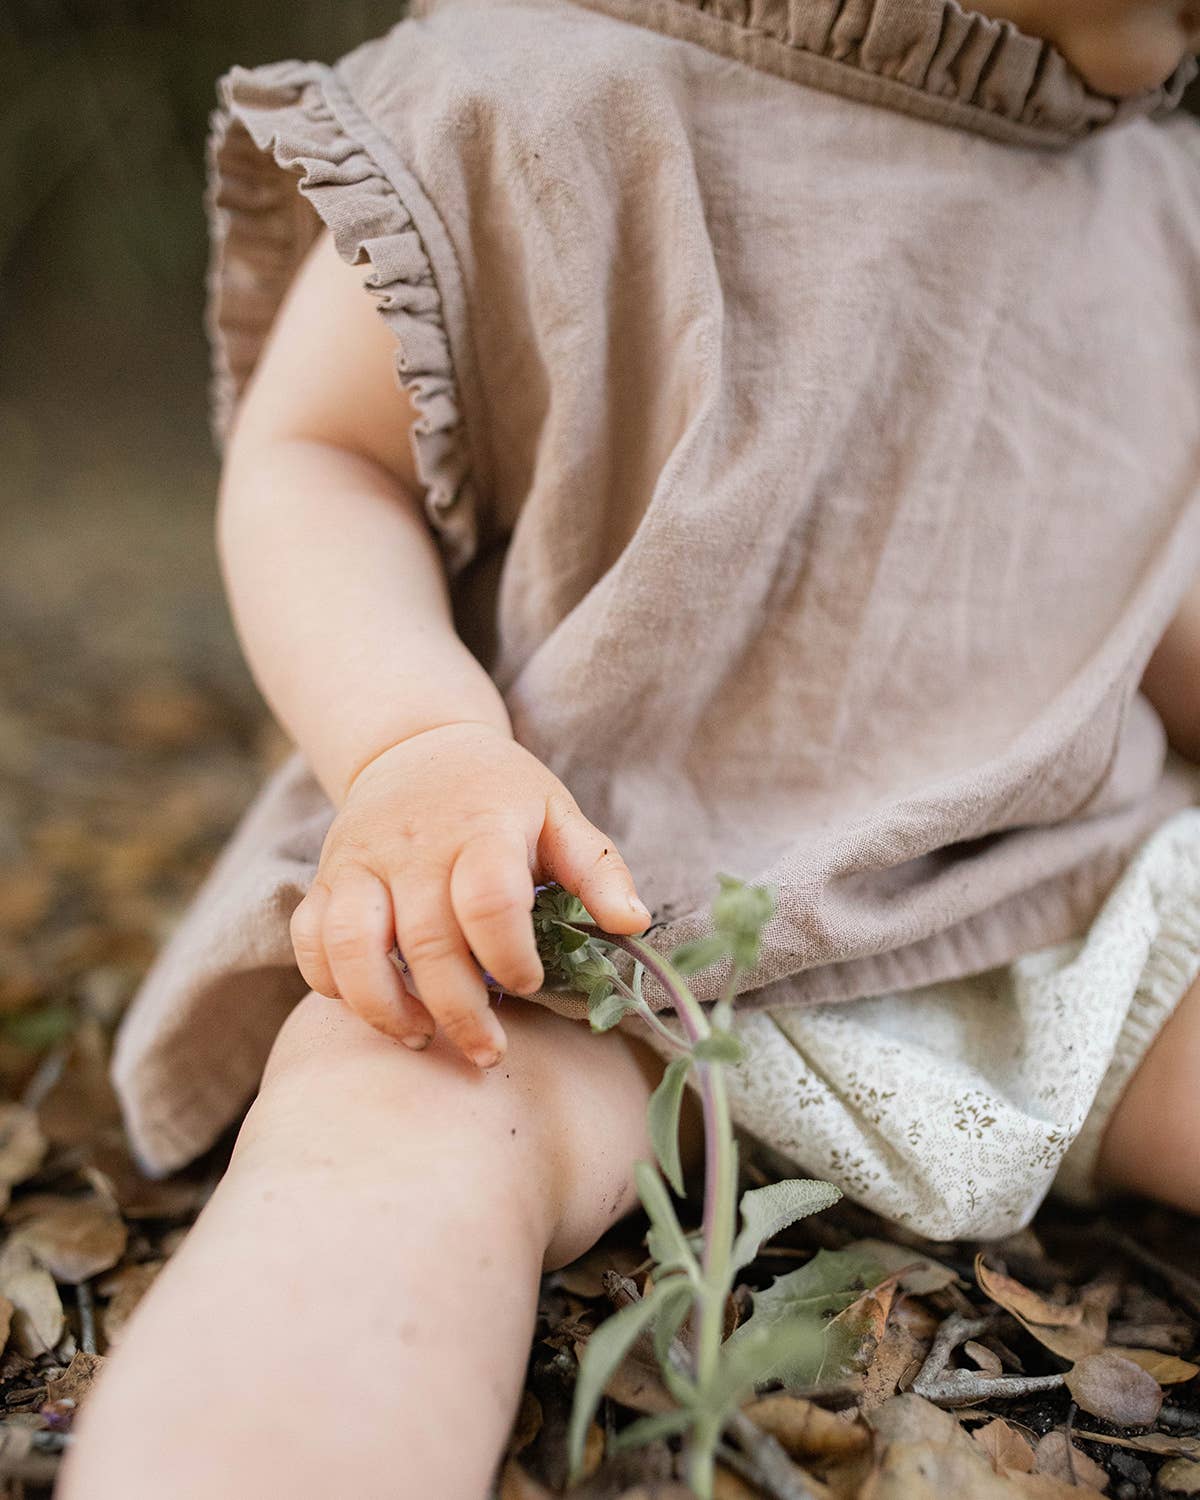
{"x": 961, "y": 1387}
{"x": 87, "y": 1317}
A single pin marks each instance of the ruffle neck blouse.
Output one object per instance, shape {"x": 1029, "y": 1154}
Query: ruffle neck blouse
{"x": 930, "y": 58}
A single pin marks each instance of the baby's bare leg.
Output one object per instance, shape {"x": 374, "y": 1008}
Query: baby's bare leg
{"x": 1152, "y": 1142}
{"x": 352, "y": 1313}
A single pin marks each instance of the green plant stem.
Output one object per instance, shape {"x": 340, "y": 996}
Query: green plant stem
{"x": 720, "y": 1201}
{"x": 646, "y": 1014}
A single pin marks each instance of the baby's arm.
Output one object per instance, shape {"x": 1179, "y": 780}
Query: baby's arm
{"x": 341, "y": 603}
{"x": 1172, "y": 677}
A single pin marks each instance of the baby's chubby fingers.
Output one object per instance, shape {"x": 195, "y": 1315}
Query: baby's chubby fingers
{"x": 491, "y": 892}
{"x": 446, "y": 976}
{"x": 358, "y": 931}
{"x": 575, "y": 853}
{"x": 308, "y": 942}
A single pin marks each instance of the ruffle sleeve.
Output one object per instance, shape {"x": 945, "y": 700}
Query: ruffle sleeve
{"x": 289, "y": 150}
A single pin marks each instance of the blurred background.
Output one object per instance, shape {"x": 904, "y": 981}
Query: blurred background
{"x": 130, "y": 735}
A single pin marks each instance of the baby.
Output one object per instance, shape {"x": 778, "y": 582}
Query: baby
{"x": 352, "y": 1313}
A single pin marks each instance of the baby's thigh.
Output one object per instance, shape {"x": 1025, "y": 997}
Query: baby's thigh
{"x": 553, "y": 1130}
{"x": 1152, "y": 1142}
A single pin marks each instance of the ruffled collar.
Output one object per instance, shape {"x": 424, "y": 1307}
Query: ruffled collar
{"x": 929, "y": 58}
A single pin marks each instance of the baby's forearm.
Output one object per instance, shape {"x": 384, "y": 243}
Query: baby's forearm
{"x": 339, "y": 597}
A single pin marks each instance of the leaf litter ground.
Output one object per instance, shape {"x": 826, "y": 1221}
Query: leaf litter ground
{"x": 1059, "y": 1359}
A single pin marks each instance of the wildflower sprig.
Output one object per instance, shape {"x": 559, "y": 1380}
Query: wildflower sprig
{"x": 693, "y": 1275}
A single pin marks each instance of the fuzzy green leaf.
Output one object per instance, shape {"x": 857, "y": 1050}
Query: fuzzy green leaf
{"x": 570, "y": 938}
{"x": 604, "y": 1351}
{"x": 767, "y": 1210}
{"x": 648, "y": 1429}
{"x": 721, "y": 1047}
{"x": 808, "y": 1298}
{"x": 666, "y": 1240}
{"x": 605, "y": 1010}
{"x": 662, "y": 1116}
{"x": 794, "y": 1351}
{"x": 666, "y": 1326}
{"x": 740, "y": 912}
{"x": 688, "y": 958}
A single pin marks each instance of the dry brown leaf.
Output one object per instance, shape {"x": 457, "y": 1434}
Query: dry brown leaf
{"x": 730, "y": 1486}
{"x": 125, "y": 1288}
{"x": 899, "y": 1355}
{"x": 1072, "y": 1332}
{"x": 1009, "y": 1449}
{"x": 74, "y": 1238}
{"x": 806, "y": 1430}
{"x": 1179, "y": 1476}
{"x": 22, "y": 1146}
{"x": 515, "y": 1484}
{"x": 1165, "y": 1368}
{"x": 585, "y": 1277}
{"x": 527, "y": 1425}
{"x": 637, "y": 1382}
{"x": 1149, "y": 1442}
{"x": 37, "y": 1321}
{"x": 1116, "y": 1389}
{"x": 987, "y": 1361}
{"x": 76, "y": 1380}
{"x": 1057, "y": 1456}
{"x": 929, "y": 1456}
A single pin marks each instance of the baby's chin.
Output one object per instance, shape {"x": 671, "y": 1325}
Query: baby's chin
{"x": 1123, "y": 64}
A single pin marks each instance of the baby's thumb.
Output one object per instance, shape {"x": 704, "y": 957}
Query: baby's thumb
{"x": 586, "y": 862}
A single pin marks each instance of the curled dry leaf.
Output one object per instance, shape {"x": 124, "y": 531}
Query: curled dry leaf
{"x": 22, "y": 1147}
{"x": 1149, "y": 1442}
{"x": 1116, "y": 1389}
{"x": 988, "y": 1362}
{"x": 806, "y": 1430}
{"x": 74, "y": 1238}
{"x": 929, "y": 1456}
{"x": 1010, "y": 1450}
{"x": 1179, "y": 1476}
{"x": 125, "y": 1289}
{"x": 1165, "y": 1368}
{"x": 1071, "y": 1332}
{"x": 1057, "y": 1456}
{"x": 37, "y": 1320}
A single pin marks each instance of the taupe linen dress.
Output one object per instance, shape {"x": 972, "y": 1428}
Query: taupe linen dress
{"x": 809, "y": 426}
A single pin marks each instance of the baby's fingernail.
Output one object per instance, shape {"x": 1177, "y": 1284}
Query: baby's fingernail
{"x": 640, "y": 907}
{"x": 485, "y": 1057}
{"x": 417, "y": 1041}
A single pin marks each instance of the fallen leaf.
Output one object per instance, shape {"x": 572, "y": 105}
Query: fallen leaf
{"x": 729, "y": 1486}
{"x": 37, "y": 1320}
{"x": 1179, "y": 1476}
{"x": 929, "y": 1456}
{"x": 1116, "y": 1389}
{"x": 528, "y": 1423}
{"x": 1061, "y": 1459}
{"x": 1149, "y": 1442}
{"x": 22, "y": 1145}
{"x": 899, "y": 1355}
{"x": 74, "y": 1238}
{"x": 1072, "y": 1332}
{"x": 515, "y": 1484}
{"x": 988, "y": 1362}
{"x": 125, "y": 1288}
{"x": 806, "y": 1430}
{"x": 1008, "y": 1449}
{"x": 585, "y": 1277}
{"x": 1165, "y": 1368}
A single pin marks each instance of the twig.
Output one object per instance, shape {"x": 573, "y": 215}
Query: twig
{"x": 47, "y": 1075}
{"x": 961, "y": 1387}
{"x": 87, "y": 1317}
{"x": 763, "y": 1462}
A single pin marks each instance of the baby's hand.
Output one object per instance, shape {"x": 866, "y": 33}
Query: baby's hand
{"x": 435, "y": 849}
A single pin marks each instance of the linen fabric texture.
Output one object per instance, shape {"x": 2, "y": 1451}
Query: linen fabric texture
{"x": 808, "y": 427}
